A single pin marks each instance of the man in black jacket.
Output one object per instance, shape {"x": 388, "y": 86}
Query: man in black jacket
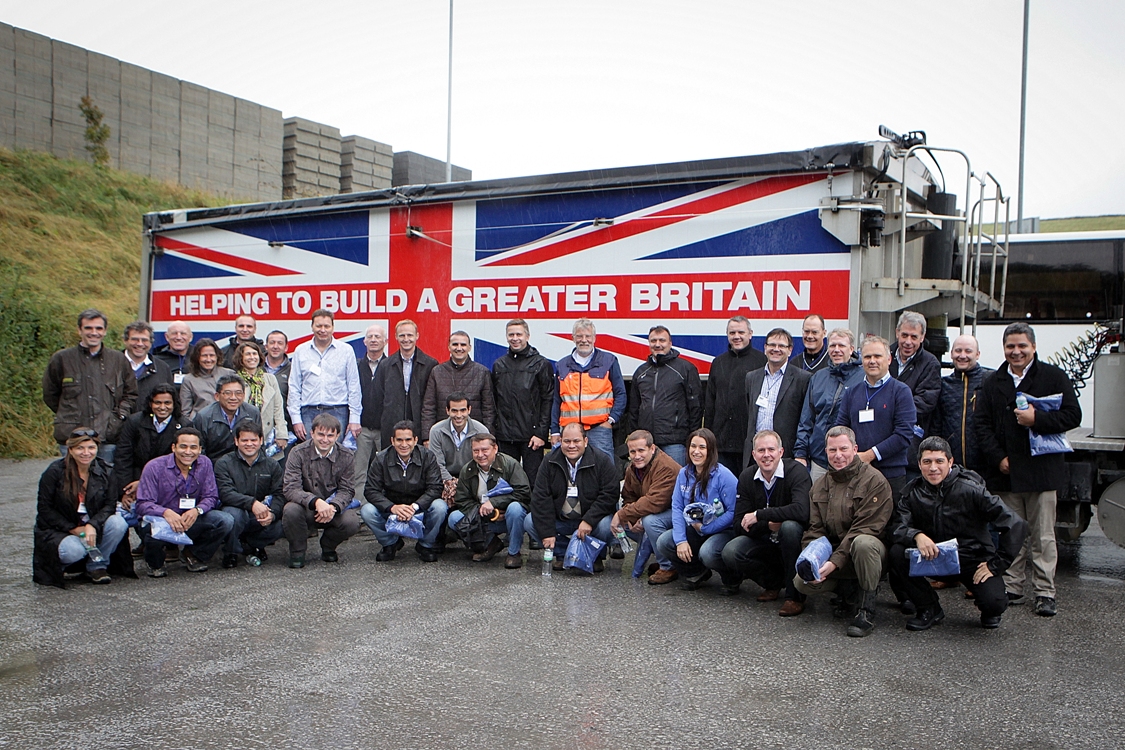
{"x": 149, "y": 372}
{"x": 950, "y": 502}
{"x": 775, "y": 394}
{"x": 770, "y": 515}
{"x": 1027, "y": 484}
{"x": 667, "y": 396}
{"x": 403, "y": 480}
{"x": 217, "y": 420}
{"x": 400, "y": 382}
{"x": 244, "y": 329}
{"x": 368, "y": 443}
{"x": 577, "y": 487}
{"x": 921, "y": 372}
{"x": 250, "y": 485}
{"x": 523, "y": 383}
{"x": 724, "y": 408}
{"x": 956, "y": 413}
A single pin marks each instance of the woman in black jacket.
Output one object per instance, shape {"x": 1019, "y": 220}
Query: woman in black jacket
{"x": 77, "y": 514}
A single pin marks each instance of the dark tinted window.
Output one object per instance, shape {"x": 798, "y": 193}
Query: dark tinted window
{"x": 1076, "y": 280}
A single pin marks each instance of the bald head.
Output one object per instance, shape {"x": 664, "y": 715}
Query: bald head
{"x": 965, "y": 353}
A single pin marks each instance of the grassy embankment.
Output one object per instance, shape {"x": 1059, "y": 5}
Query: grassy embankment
{"x": 70, "y": 238}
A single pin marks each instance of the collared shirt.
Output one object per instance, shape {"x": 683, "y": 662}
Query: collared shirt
{"x": 160, "y": 426}
{"x": 328, "y": 379}
{"x": 274, "y": 370}
{"x": 871, "y": 391}
{"x": 373, "y": 365}
{"x": 809, "y": 367}
{"x": 904, "y": 362}
{"x": 232, "y": 421}
{"x": 573, "y": 468}
{"x": 459, "y": 437}
{"x": 324, "y": 454}
{"x": 771, "y": 387}
{"x": 139, "y": 369}
{"x": 779, "y": 473}
{"x": 407, "y": 370}
{"x": 582, "y": 361}
{"x": 162, "y": 485}
{"x": 1017, "y": 379}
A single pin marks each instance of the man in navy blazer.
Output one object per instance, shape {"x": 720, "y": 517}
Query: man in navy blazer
{"x": 775, "y": 394}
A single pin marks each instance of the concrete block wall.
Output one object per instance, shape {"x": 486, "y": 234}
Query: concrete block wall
{"x": 412, "y": 168}
{"x": 364, "y": 164}
{"x": 184, "y": 133}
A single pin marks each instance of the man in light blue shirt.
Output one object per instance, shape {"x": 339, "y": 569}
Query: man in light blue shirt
{"x": 324, "y": 379}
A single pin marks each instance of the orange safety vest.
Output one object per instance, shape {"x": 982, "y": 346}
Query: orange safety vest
{"x": 585, "y": 399}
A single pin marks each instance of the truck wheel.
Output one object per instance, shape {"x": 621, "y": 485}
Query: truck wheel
{"x": 1081, "y": 521}
{"x": 1111, "y": 512}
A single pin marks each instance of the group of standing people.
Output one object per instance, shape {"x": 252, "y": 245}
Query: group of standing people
{"x": 866, "y": 446}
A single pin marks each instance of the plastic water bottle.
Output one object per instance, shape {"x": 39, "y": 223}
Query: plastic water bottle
{"x": 624, "y": 541}
{"x": 253, "y": 560}
{"x": 548, "y": 561}
{"x": 93, "y": 553}
{"x": 1021, "y": 401}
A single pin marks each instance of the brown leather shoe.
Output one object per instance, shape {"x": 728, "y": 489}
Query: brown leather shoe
{"x": 939, "y": 585}
{"x": 769, "y": 595}
{"x": 513, "y": 561}
{"x": 791, "y": 608}
{"x": 662, "y": 576}
{"x": 490, "y": 551}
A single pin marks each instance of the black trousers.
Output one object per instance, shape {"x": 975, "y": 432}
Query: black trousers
{"x": 530, "y": 458}
{"x": 990, "y": 596}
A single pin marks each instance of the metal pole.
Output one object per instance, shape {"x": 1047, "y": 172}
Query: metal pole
{"x": 449, "y": 107}
{"x": 1023, "y": 117}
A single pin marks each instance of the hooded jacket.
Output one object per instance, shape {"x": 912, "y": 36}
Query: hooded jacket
{"x": 962, "y": 508}
{"x": 822, "y": 406}
{"x": 724, "y": 410}
{"x": 667, "y": 398}
{"x": 848, "y": 502}
{"x": 523, "y": 384}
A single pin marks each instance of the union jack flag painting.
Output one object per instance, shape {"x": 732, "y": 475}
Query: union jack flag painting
{"x": 688, "y": 254}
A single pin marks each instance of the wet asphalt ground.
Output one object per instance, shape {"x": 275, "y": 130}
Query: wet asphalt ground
{"x": 468, "y": 655}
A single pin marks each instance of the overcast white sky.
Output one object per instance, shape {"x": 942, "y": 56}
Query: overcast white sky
{"x": 547, "y": 86}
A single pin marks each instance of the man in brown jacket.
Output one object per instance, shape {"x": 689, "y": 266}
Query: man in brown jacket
{"x": 851, "y": 505}
{"x": 458, "y": 374}
{"x": 646, "y": 498}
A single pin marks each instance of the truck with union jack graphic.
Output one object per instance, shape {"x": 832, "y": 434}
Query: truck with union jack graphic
{"x": 854, "y": 232}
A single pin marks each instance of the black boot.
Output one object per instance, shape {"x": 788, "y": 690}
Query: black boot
{"x": 864, "y": 621}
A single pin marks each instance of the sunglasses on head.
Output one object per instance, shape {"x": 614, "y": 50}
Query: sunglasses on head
{"x": 87, "y": 433}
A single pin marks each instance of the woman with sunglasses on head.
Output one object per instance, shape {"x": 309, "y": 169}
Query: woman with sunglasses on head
{"x": 696, "y": 547}
{"x": 77, "y": 527}
{"x": 262, "y": 391}
{"x": 204, "y": 371}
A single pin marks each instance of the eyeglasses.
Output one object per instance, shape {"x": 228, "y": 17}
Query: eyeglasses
{"x": 87, "y": 433}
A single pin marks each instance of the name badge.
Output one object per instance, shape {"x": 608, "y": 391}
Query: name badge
{"x": 762, "y": 402}
{"x": 315, "y": 370}
{"x": 866, "y": 415}
{"x": 178, "y": 378}
{"x": 82, "y": 508}
{"x": 187, "y": 503}
{"x": 572, "y": 491}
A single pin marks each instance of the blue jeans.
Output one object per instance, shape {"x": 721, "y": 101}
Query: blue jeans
{"x": 565, "y": 529}
{"x": 601, "y": 437}
{"x": 707, "y": 553}
{"x": 512, "y": 524}
{"x": 72, "y": 548}
{"x": 246, "y": 527}
{"x": 678, "y": 453}
{"x": 432, "y": 519}
{"x": 308, "y": 413}
{"x": 655, "y": 525}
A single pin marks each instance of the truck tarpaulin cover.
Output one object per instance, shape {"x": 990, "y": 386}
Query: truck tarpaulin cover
{"x": 687, "y": 245}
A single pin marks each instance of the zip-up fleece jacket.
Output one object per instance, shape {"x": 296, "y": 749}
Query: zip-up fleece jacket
{"x": 590, "y": 395}
{"x": 846, "y": 503}
{"x": 667, "y": 398}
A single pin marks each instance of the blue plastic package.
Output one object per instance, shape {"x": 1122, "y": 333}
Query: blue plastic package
{"x": 1041, "y": 444}
{"x": 812, "y": 558}
{"x": 581, "y": 553}
{"x": 947, "y": 562}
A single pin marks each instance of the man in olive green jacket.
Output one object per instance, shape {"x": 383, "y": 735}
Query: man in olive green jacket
{"x": 501, "y": 512}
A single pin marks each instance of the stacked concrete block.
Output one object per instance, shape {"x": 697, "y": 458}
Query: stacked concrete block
{"x": 164, "y": 153}
{"x": 7, "y": 86}
{"x": 68, "y": 86}
{"x": 364, "y": 164}
{"x": 411, "y": 168}
{"x": 194, "y": 101}
{"x": 271, "y": 154}
{"x": 136, "y": 119}
{"x": 104, "y": 87}
{"x": 247, "y": 135}
{"x": 33, "y": 90}
{"x": 311, "y": 159}
{"x": 220, "y": 142}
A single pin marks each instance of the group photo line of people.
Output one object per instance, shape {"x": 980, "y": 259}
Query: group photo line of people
{"x": 828, "y": 470}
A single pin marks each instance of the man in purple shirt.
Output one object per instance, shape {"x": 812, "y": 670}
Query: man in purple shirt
{"x": 181, "y": 489}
